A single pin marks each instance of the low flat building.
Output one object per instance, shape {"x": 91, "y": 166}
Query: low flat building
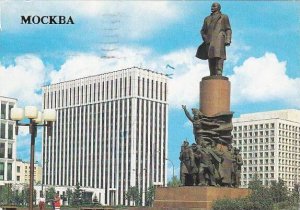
{"x": 23, "y": 172}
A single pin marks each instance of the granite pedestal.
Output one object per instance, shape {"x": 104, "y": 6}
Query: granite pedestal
{"x": 194, "y": 197}
{"x": 214, "y": 95}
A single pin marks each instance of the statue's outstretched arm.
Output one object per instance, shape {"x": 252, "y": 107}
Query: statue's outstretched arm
{"x": 188, "y": 115}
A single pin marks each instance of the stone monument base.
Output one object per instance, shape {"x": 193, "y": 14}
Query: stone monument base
{"x": 214, "y": 95}
{"x": 194, "y": 197}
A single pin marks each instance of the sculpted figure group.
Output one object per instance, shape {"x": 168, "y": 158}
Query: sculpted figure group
{"x": 206, "y": 165}
{"x": 211, "y": 160}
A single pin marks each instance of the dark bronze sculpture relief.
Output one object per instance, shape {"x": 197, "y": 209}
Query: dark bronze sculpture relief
{"x": 216, "y": 34}
{"x": 211, "y": 160}
{"x": 215, "y": 162}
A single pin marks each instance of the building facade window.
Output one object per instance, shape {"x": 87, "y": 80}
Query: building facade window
{"x": 2, "y": 150}
{"x": 1, "y": 171}
{"x": 10, "y": 151}
{"x": 10, "y": 131}
{"x": 3, "y": 111}
{"x": 2, "y": 129}
{"x": 9, "y": 171}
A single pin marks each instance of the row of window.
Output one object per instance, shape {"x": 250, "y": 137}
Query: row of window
{"x": 258, "y": 168}
{"x": 254, "y": 127}
{"x": 289, "y": 141}
{"x": 289, "y": 134}
{"x": 261, "y": 161}
{"x": 289, "y": 127}
{"x": 258, "y": 154}
{"x": 288, "y": 155}
{"x": 266, "y": 126}
{"x": 254, "y": 141}
{"x": 289, "y": 148}
{"x": 258, "y": 148}
{"x": 289, "y": 162}
{"x": 255, "y": 134}
{"x": 288, "y": 169}
{"x": 260, "y": 175}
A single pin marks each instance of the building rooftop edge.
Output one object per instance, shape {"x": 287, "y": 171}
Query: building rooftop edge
{"x": 8, "y": 97}
{"x": 283, "y": 114}
{"x": 133, "y": 67}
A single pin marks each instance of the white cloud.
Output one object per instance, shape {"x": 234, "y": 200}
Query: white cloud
{"x": 235, "y": 51}
{"x": 264, "y": 79}
{"x": 184, "y": 87}
{"x": 23, "y": 80}
{"x": 141, "y": 19}
{"x": 256, "y": 80}
{"x": 82, "y": 65}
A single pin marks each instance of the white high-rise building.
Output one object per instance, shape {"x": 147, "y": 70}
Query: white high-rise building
{"x": 110, "y": 134}
{"x": 7, "y": 142}
{"x": 270, "y": 146}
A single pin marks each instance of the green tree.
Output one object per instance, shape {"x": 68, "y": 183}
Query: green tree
{"x": 134, "y": 195}
{"x": 279, "y": 191}
{"x": 77, "y": 195}
{"x": 149, "y": 195}
{"x": 25, "y": 194}
{"x": 18, "y": 200}
{"x": 294, "y": 197}
{"x": 50, "y": 193}
{"x": 260, "y": 195}
{"x": 69, "y": 194}
{"x": 174, "y": 182}
{"x": 6, "y": 194}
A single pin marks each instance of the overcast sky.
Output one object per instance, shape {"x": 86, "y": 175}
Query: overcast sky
{"x": 263, "y": 60}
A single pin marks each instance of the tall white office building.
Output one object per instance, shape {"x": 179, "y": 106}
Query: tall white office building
{"x": 110, "y": 134}
{"x": 270, "y": 146}
{"x": 7, "y": 142}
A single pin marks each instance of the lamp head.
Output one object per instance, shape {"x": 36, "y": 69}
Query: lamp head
{"x": 50, "y": 115}
{"x": 39, "y": 118}
{"x": 17, "y": 114}
{"x": 31, "y": 112}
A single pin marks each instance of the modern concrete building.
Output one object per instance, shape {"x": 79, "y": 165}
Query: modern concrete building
{"x": 110, "y": 134}
{"x": 7, "y": 142}
{"x": 23, "y": 172}
{"x": 270, "y": 146}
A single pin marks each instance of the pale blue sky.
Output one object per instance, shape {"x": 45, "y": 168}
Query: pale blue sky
{"x": 263, "y": 60}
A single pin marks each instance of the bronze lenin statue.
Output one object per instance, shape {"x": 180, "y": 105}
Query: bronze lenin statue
{"x": 216, "y": 34}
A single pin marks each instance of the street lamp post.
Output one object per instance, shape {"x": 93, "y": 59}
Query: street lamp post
{"x": 172, "y": 166}
{"x": 36, "y": 119}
